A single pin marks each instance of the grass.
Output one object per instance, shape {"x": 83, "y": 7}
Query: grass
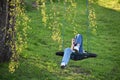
{"x": 39, "y": 62}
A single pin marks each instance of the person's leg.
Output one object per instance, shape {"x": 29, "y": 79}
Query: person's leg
{"x": 79, "y": 42}
{"x": 66, "y": 56}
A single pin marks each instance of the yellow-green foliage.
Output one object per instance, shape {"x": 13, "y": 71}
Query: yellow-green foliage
{"x": 21, "y": 28}
{"x": 92, "y": 18}
{"x": 43, "y": 12}
{"x": 55, "y": 25}
{"x": 69, "y": 16}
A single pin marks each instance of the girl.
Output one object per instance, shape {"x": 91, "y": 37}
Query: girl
{"x": 76, "y": 47}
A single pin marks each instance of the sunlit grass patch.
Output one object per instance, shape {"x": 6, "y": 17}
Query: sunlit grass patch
{"x": 113, "y": 4}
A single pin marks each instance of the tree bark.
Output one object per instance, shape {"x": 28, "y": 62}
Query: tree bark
{"x": 7, "y": 31}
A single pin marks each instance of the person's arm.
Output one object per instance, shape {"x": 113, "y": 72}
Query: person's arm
{"x": 72, "y": 44}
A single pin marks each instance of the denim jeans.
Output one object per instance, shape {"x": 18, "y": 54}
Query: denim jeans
{"x": 68, "y": 51}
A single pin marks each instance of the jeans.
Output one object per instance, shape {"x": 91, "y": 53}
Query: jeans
{"x": 68, "y": 51}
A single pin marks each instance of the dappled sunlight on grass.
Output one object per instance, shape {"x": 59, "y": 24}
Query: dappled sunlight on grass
{"x": 112, "y": 4}
{"x": 39, "y": 62}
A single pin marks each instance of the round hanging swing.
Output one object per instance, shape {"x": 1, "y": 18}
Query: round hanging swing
{"x": 77, "y": 56}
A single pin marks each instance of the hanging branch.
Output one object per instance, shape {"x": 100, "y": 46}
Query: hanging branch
{"x": 92, "y": 18}
{"x": 17, "y": 30}
{"x": 56, "y": 24}
{"x": 43, "y": 12}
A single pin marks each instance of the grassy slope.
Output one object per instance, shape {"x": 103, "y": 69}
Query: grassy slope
{"x": 39, "y": 62}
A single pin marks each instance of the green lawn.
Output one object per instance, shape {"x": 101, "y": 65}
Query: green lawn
{"x": 39, "y": 62}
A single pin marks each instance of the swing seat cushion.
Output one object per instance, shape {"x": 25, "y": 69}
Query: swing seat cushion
{"x": 78, "y": 56}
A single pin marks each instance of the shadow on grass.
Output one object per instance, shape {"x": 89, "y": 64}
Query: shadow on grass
{"x": 79, "y": 70}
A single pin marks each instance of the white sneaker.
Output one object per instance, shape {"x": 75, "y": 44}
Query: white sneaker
{"x": 63, "y": 65}
{"x": 85, "y": 51}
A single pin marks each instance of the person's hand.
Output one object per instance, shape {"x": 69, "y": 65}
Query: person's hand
{"x": 73, "y": 41}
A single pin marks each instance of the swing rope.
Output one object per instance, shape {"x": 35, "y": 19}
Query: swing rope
{"x": 63, "y": 31}
{"x": 88, "y": 26}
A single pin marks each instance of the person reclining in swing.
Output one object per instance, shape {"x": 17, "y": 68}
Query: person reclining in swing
{"x": 76, "y": 47}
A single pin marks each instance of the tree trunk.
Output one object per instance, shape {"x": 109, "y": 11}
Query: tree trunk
{"x": 7, "y": 31}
